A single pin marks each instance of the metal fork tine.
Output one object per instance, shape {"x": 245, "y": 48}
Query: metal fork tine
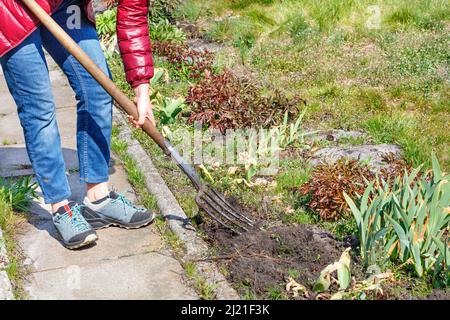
{"x": 207, "y": 209}
{"x": 212, "y": 205}
{"x": 224, "y": 208}
{"x": 227, "y": 206}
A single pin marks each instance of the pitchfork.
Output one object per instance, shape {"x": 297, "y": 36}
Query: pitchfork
{"x": 208, "y": 199}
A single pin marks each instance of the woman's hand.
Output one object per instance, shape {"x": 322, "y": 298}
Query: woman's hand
{"x": 144, "y": 106}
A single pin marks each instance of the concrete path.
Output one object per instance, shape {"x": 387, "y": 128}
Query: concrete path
{"x": 124, "y": 264}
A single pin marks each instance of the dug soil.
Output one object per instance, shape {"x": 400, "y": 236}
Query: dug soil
{"x": 262, "y": 260}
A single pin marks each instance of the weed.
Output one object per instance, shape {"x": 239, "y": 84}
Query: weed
{"x": 18, "y": 192}
{"x": 163, "y": 9}
{"x": 205, "y": 290}
{"x": 188, "y": 11}
{"x": 15, "y": 195}
{"x": 163, "y": 30}
{"x": 276, "y": 293}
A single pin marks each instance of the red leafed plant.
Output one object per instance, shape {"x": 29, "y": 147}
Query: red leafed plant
{"x": 224, "y": 101}
{"x": 188, "y": 63}
{"x": 325, "y": 189}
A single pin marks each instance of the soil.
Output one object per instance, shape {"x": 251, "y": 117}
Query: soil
{"x": 262, "y": 259}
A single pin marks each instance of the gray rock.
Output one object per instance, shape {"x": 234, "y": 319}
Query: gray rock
{"x": 5, "y": 287}
{"x": 373, "y": 154}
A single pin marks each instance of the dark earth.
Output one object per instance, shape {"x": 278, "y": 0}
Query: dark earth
{"x": 263, "y": 259}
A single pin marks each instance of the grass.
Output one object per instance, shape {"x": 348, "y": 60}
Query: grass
{"x": 177, "y": 182}
{"x": 135, "y": 176}
{"x": 15, "y": 199}
{"x": 169, "y": 236}
{"x": 205, "y": 290}
{"x": 276, "y": 294}
{"x": 352, "y": 75}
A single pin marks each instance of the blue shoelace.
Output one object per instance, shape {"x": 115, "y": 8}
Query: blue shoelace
{"x": 77, "y": 220}
{"x": 125, "y": 202}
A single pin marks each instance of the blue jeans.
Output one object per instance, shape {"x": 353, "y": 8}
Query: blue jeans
{"x": 27, "y": 76}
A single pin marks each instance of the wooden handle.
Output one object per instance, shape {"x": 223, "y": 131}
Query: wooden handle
{"x": 74, "y": 49}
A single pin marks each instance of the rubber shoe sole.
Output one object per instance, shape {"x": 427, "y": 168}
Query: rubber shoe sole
{"x": 99, "y": 221}
{"x": 91, "y": 238}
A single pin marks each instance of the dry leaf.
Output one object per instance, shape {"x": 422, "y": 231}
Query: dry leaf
{"x": 232, "y": 170}
{"x": 296, "y": 288}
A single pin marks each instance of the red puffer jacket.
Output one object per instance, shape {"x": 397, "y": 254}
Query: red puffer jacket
{"x": 16, "y": 23}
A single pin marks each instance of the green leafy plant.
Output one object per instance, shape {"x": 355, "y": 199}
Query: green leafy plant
{"x": 106, "y": 29}
{"x": 168, "y": 108}
{"x": 289, "y": 133}
{"x": 405, "y": 221}
{"x": 163, "y": 30}
{"x": 18, "y": 193}
{"x": 341, "y": 268}
{"x": 441, "y": 275}
{"x": 106, "y": 22}
{"x": 163, "y": 9}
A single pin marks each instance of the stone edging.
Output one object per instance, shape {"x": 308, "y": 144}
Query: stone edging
{"x": 178, "y": 222}
{"x": 6, "y": 292}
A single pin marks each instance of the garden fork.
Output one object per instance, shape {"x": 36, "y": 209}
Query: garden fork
{"x": 208, "y": 199}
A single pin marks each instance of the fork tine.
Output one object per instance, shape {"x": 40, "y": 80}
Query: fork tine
{"x": 216, "y": 206}
{"x": 212, "y": 205}
{"x": 223, "y": 203}
{"x": 224, "y": 208}
{"x": 207, "y": 208}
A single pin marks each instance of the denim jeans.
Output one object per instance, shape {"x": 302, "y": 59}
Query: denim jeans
{"x": 28, "y": 80}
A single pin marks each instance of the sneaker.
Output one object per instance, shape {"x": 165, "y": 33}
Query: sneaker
{"x": 115, "y": 210}
{"x": 73, "y": 228}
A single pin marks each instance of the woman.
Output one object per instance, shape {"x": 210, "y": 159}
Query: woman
{"x": 22, "y": 40}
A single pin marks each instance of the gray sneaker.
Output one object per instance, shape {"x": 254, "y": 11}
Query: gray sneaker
{"x": 73, "y": 228}
{"x": 115, "y": 210}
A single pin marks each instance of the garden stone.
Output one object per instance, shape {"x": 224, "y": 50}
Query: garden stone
{"x": 372, "y": 154}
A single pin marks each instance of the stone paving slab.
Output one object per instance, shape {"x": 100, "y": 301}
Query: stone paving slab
{"x": 14, "y": 160}
{"x": 11, "y": 131}
{"x": 5, "y": 285}
{"x": 123, "y": 264}
{"x": 151, "y": 276}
